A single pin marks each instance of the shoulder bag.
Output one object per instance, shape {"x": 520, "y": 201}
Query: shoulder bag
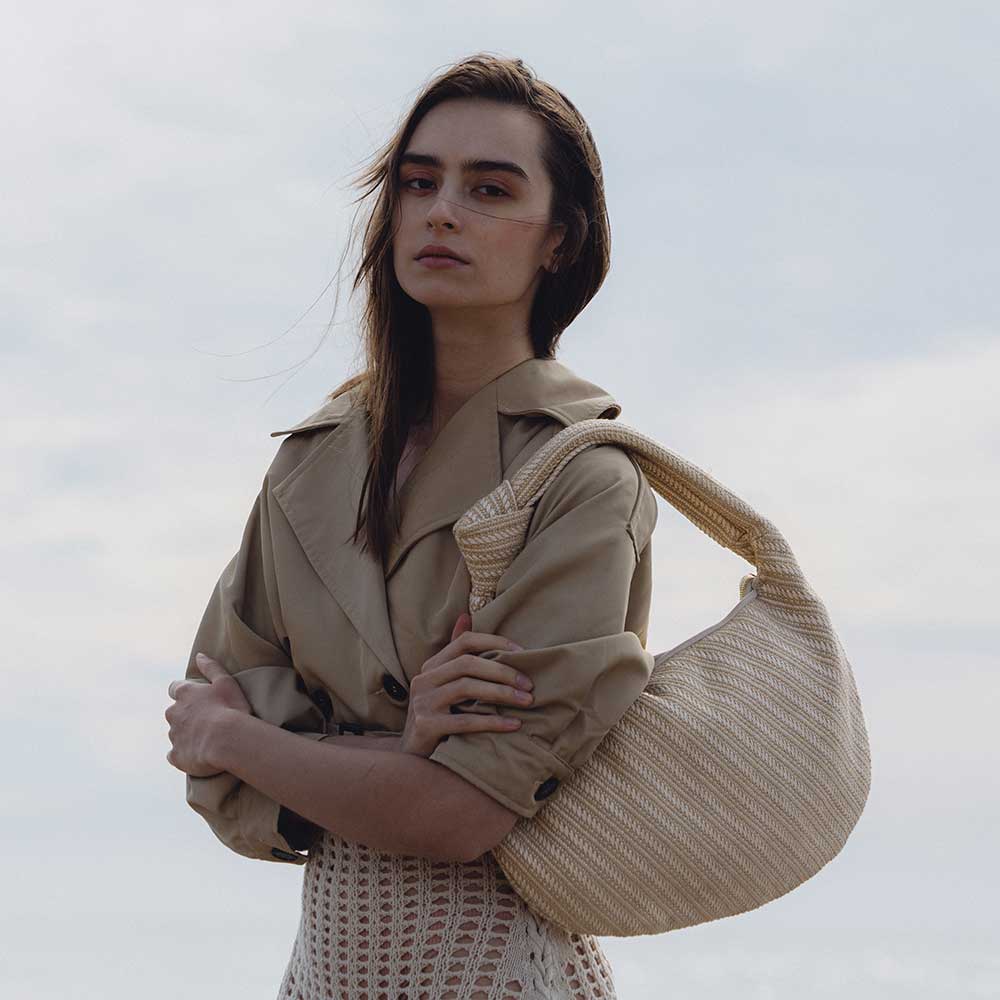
{"x": 740, "y": 770}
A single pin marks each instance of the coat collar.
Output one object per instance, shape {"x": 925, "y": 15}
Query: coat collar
{"x": 320, "y": 497}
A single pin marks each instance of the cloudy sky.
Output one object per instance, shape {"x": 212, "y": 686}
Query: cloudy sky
{"x": 803, "y": 301}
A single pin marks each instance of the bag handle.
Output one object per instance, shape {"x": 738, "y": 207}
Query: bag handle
{"x": 492, "y": 531}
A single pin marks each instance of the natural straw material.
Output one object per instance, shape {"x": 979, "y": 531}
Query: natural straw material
{"x": 740, "y": 770}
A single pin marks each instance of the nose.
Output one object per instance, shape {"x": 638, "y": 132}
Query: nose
{"x": 441, "y": 212}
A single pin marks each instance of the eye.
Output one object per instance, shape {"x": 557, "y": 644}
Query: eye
{"x": 414, "y": 180}
{"x": 409, "y": 186}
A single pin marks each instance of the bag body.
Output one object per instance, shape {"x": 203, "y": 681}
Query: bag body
{"x": 743, "y": 765}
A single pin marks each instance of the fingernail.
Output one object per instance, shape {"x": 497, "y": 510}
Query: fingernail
{"x": 514, "y": 645}
{"x": 524, "y": 682}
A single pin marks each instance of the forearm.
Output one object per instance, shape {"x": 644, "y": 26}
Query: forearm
{"x": 300, "y": 832}
{"x": 395, "y": 803}
{"x": 365, "y": 741}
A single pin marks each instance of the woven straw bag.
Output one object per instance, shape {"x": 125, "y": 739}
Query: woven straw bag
{"x": 742, "y": 767}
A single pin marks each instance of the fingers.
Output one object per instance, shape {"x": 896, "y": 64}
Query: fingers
{"x": 453, "y": 677}
{"x": 469, "y": 689}
{"x": 427, "y": 725}
{"x": 473, "y": 722}
{"x": 210, "y": 668}
{"x": 471, "y": 678}
{"x": 462, "y": 624}
{"x": 468, "y": 664}
{"x": 469, "y": 642}
{"x": 425, "y": 732}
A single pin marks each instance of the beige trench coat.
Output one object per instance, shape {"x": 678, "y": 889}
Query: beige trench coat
{"x": 319, "y": 635}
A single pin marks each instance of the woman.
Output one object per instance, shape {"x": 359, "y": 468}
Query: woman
{"x": 339, "y": 700}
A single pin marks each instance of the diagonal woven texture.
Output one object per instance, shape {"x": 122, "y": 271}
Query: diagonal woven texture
{"x": 740, "y": 770}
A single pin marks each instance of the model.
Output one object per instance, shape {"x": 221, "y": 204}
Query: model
{"x": 341, "y": 709}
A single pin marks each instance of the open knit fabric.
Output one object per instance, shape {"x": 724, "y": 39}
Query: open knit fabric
{"x": 389, "y": 927}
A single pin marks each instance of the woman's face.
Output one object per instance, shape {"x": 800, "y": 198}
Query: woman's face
{"x": 494, "y": 213}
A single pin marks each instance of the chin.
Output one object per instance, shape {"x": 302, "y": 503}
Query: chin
{"x": 437, "y": 298}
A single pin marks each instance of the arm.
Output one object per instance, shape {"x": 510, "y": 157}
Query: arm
{"x": 299, "y": 831}
{"x": 395, "y": 802}
{"x": 577, "y": 597}
{"x": 241, "y": 629}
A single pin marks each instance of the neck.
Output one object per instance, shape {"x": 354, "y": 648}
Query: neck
{"x": 468, "y": 356}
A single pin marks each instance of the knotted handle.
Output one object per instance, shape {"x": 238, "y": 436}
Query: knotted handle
{"x": 492, "y": 531}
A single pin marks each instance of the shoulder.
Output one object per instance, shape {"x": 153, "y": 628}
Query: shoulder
{"x": 301, "y": 440}
{"x": 595, "y": 470}
{"x": 602, "y": 482}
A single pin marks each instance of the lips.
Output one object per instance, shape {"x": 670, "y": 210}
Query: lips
{"x": 436, "y": 250}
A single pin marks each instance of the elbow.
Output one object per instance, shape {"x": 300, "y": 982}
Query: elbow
{"x": 461, "y": 852}
{"x": 466, "y": 823}
{"x": 466, "y": 841}
{"x": 468, "y": 855}
{"x": 441, "y": 845}
{"x": 490, "y": 827}
{"x": 469, "y": 847}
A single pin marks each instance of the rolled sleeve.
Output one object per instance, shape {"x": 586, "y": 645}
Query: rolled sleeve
{"x": 241, "y": 629}
{"x": 577, "y": 597}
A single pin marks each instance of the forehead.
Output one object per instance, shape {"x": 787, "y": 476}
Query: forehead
{"x": 462, "y": 128}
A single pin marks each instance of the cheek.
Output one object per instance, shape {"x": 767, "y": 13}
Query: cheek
{"x": 400, "y": 224}
{"x": 513, "y": 255}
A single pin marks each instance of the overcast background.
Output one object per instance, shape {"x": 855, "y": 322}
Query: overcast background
{"x": 803, "y": 300}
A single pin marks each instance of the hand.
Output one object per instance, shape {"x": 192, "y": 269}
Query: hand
{"x": 196, "y": 716}
{"x": 449, "y": 677}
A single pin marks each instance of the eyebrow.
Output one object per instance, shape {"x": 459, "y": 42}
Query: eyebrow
{"x": 468, "y": 166}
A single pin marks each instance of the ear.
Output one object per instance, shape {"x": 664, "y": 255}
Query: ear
{"x": 553, "y": 243}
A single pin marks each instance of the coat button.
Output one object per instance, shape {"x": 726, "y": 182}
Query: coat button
{"x": 393, "y": 688}
{"x": 322, "y": 701}
{"x": 546, "y": 788}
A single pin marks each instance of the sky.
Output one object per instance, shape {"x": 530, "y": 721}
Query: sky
{"x": 802, "y": 301}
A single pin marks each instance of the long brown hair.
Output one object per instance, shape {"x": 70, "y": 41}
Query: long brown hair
{"x": 396, "y": 387}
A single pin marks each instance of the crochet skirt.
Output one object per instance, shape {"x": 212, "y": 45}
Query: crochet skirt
{"x": 390, "y": 927}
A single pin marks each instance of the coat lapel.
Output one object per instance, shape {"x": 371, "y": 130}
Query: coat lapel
{"x": 546, "y": 386}
{"x": 463, "y": 463}
{"x": 320, "y": 499}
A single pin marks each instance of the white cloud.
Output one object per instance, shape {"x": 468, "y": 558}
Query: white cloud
{"x": 802, "y": 302}
{"x": 881, "y": 474}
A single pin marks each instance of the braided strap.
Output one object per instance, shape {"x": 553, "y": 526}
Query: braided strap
{"x": 741, "y": 769}
{"x": 493, "y": 532}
